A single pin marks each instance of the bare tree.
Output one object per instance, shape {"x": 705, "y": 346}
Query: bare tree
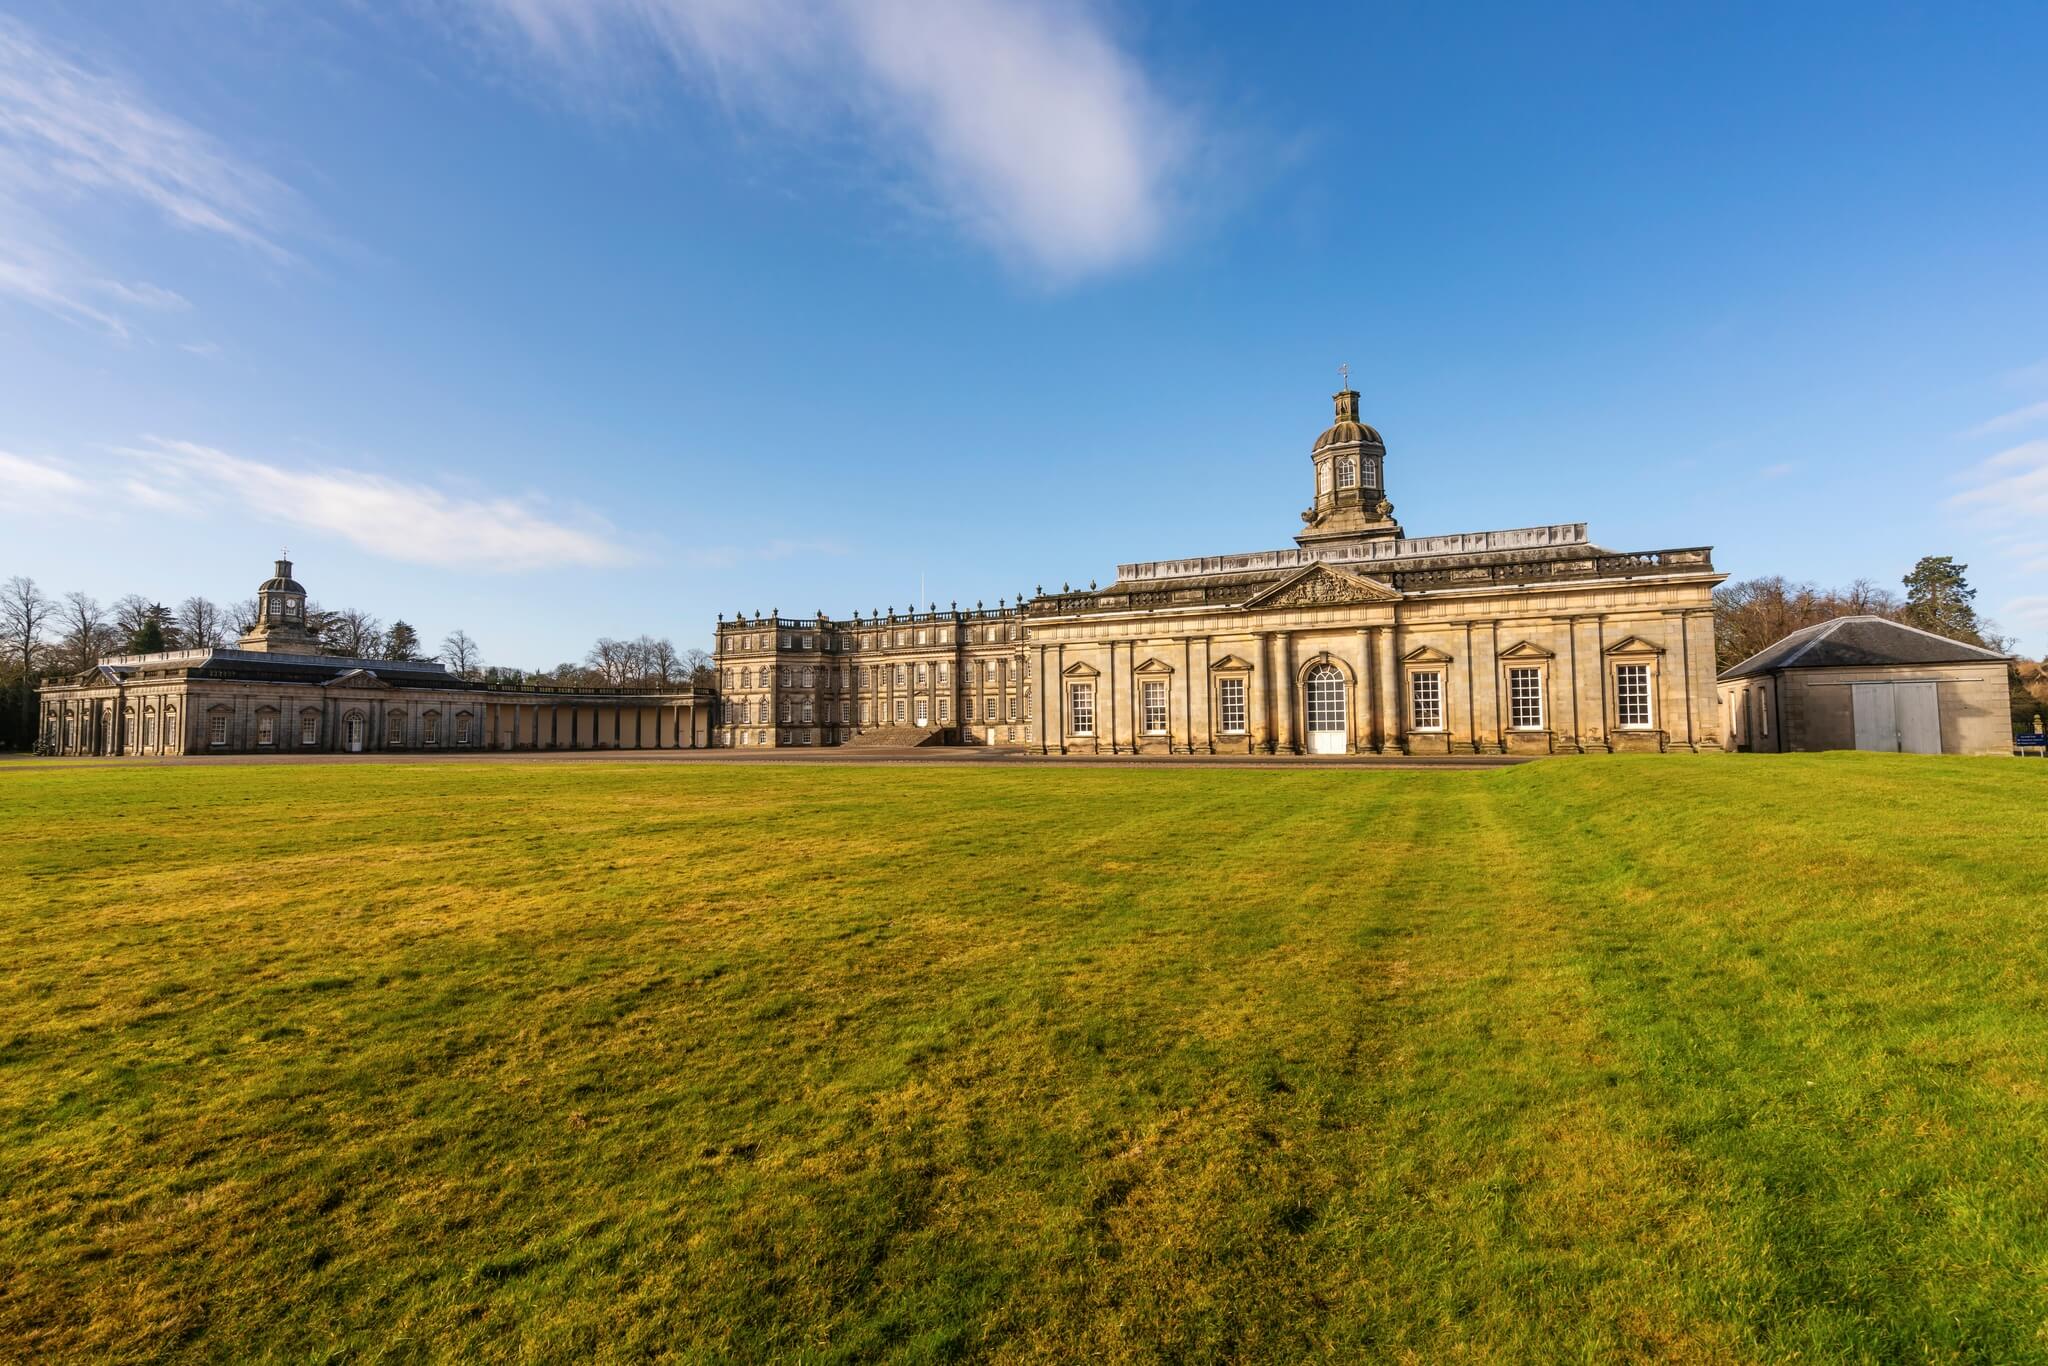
{"x": 460, "y": 653}
{"x": 353, "y": 633}
{"x": 24, "y": 615}
{"x": 611, "y": 660}
{"x": 657, "y": 660}
{"x": 244, "y": 616}
{"x": 697, "y": 669}
{"x": 201, "y": 625}
{"x": 88, "y": 636}
{"x": 130, "y": 614}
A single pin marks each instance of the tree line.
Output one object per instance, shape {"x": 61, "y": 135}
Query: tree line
{"x": 1753, "y": 614}
{"x": 57, "y": 637}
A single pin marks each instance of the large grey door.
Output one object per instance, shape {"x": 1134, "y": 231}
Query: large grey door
{"x": 1877, "y": 721}
{"x": 1919, "y": 718}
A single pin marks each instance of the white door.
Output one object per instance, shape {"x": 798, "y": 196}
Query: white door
{"x": 1325, "y": 698}
{"x": 355, "y": 735}
{"x": 1877, "y": 718}
{"x": 1919, "y": 718}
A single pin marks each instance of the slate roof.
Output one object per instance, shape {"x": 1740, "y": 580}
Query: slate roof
{"x": 1860, "y": 641}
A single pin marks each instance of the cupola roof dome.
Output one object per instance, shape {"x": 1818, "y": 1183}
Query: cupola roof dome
{"x": 1347, "y": 430}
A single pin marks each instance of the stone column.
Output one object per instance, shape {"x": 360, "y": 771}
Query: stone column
{"x": 1261, "y": 695}
{"x": 1284, "y": 680}
{"x": 1388, "y": 663}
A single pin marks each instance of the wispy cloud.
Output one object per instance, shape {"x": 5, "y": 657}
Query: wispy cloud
{"x": 1779, "y": 471}
{"x": 73, "y": 137}
{"x": 35, "y": 481}
{"x": 2029, "y": 613}
{"x": 2006, "y": 422}
{"x": 401, "y": 519}
{"x": 733, "y": 556}
{"x": 1025, "y": 121}
{"x": 2010, "y": 490}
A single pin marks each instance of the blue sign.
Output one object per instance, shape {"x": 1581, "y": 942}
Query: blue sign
{"x": 2024, "y": 741}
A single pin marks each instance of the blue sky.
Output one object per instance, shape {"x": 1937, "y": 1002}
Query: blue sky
{"x": 551, "y": 319}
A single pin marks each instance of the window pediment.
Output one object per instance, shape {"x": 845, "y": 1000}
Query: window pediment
{"x": 1078, "y": 670}
{"x": 1154, "y": 666}
{"x": 1634, "y": 645}
{"x": 1525, "y": 650}
{"x": 1230, "y": 664}
{"x": 1425, "y": 654}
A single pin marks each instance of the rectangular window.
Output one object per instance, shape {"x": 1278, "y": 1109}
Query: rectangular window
{"x": 462, "y": 730}
{"x": 430, "y": 730}
{"x": 1230, "y": 703}
{"x": 923, "y": 710}
{"x": 1632, "y": 695}
{"x": 1525, "y": 699}
{"x": 807, "y": 711}
{"x": 944, "y": 707}
{"x": 1013, "y": 708}
{"x": 899, "y": 711}
{"x": 309, "y": 729}
{"x": 867, "y": 714}
{"x": 266, "y": 731}
{"x": 845, "y": 713}
{"x": 1426, "y": 701}
{"x": 807, "y": 642}
{"x": 921, "y": 675}
{"x": 1155, "y": 707}
{"x": 941, "y": 677}
{"x": 1081, "y": 708}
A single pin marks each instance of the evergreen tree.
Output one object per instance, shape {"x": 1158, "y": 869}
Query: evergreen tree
{"x": 148, "y": 637}
{"x": 1938, "y": 599}
{"x": 402, "y": 643}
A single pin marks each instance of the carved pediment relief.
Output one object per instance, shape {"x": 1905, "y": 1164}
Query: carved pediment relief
{"x": 1425, "y": 654}
{"x": 1526, "y": 650}
{"x": 1634, "y": 645}
{"x": 1320, "y": 585}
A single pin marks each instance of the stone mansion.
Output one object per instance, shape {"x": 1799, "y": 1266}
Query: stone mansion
{"x": 1359, "y": 639}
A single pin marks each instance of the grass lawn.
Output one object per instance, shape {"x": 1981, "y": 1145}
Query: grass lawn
{"x": 1717, "y": 1058}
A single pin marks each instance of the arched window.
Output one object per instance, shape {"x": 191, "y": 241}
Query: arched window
{"x": 746, "y": 678}
{"x": 1324, "y": 694}
{"x": 1347, "y": 474}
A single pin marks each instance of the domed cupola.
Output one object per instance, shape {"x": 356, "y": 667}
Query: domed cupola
{"x": 1351, "y": 494}
{"x": 281, "y": 626}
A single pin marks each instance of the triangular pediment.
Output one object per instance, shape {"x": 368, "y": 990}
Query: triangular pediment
{"x": 1153, "y": 666}
{"x": 1634, "y": 645}
{"x": 1526, "y": 650}
{"x": 1078, "y": 670}
{"x": 1425, "y": 654}
{"x": 1230, "y": 664}
{"x": 1322, "y": 585}
{"x": 356, "y": 678}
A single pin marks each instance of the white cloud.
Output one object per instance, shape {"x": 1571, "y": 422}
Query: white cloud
{"x": 21, "y": 477}
{"x": 73, "y": 139}
{"x": 1778, "y": 471}
{"x": 1023, "y": 120}
{"x": 2005, "y": 422}
{"x": 401, "y": 519}
{"x": 63, "y": 127}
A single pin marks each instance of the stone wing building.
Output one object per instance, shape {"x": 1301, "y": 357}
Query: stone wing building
{"x": 1358, "y": 639}
{"x": 277, "y": 693}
